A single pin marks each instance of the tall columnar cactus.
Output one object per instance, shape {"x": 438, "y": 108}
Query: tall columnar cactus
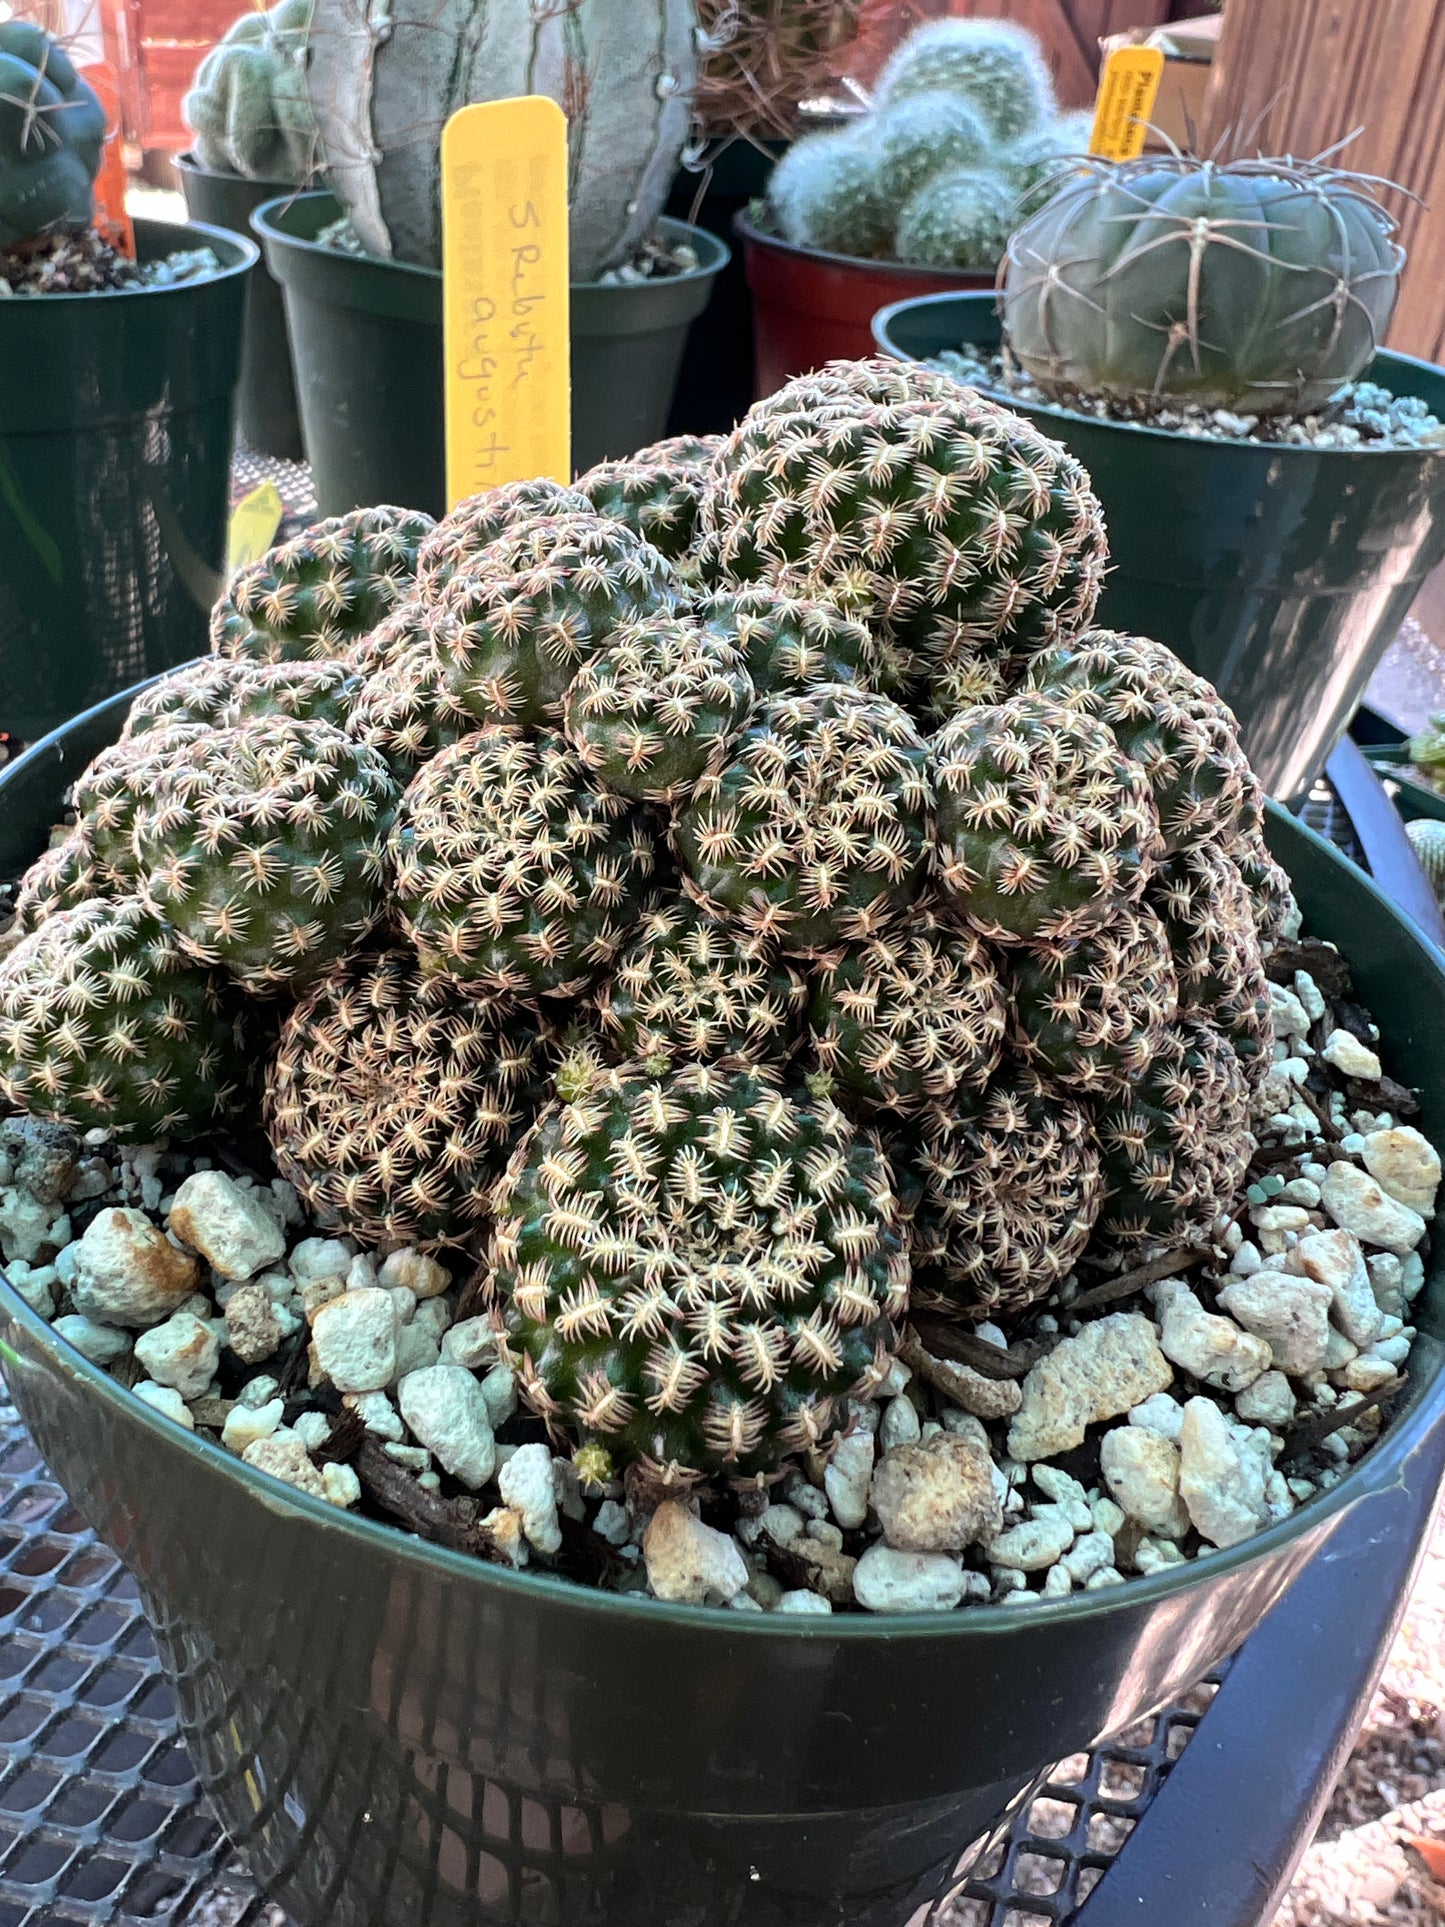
{"x": 386, "y": 75}
{"x": 248, "y": 105}
{"x": 52, "y": 130}
{"x": 1260, "y": 286}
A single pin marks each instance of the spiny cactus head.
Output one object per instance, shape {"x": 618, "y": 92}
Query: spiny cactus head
{"x": 247, "y": 104}
{"x": 825, "y": 193}
{"x": 957, "y": 219}
{"x": 920, "y": 135}
{"x": 1427, "y": 838}
{"x": 52, "y": 131}
{"x": 657, "y": 499}
{"x": 105, "y": 1022}
{"x": 1259, "y": 286}
{"x": 694, "y": 1269}
{"x": 459, "y": 543}
{"x": 996, "y": 65}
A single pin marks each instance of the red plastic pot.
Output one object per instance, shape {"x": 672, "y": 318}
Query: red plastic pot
{"x": 810, "y": 306}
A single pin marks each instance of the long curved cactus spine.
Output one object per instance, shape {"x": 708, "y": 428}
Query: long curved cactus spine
{"x": 386, "y": 75}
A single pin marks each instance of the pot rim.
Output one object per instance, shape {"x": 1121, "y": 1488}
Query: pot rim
{"x": 1380, "y": 1467}
{"x": 713, "y": 253}
{"x": 189, "y": 164}
{"x": 752, "y": 235}
{"x": 220, "y": 240}
{"x": 883, "y": 321}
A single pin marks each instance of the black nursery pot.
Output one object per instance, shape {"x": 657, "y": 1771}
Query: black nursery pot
{"x": 1280, "y": 572}
{"x": 397, "y": 1736}
{"x": 116, "y": 414}
{"x": 266, "y": 410}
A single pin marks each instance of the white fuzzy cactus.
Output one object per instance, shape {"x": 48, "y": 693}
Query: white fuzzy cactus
{"x": 386, "y": 76}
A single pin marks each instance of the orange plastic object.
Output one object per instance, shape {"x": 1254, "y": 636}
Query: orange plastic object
{"x": 111, "y": 219}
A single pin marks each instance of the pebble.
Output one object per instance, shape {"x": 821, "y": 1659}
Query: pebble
{"x": 937, "y": 1496}
{"x": 229, "y": 1226}
{"x": 1368, "y": 1374}
{"x": 313, "y": 1429}
{"x": 129, "y": 1273}
{"x": 1387, "y": 1281}
{"x": 182, "y": 1352}
{"x": 499, "y": 1389}
{"x": 1290, "y": 1314}
{"x": 1269, "y": 1401}
{"x": 528, "y": 1484}
{"x": 1142, "y": 1471}
{"x": 1310, "y": 996}
{"x": 1211, "y": 1349}
{"x": 1335, "y": 1259}
{"x": 167, "y": 1400}
{"x": 421, "y": 1275}
{"x": 1161, "y": 1414}
{"x": 1220, "y": 1482}
{"x": 417, "y": 1345}
{"x": 35, "y": 1284}
{"x": 316, "y": 1258}
{"x": 1357, "y": 1203}
{"x": 470, "y": 1342}
{"x": 253, "y": 1328}
{"x": 612, "y": 1523}
{"x": 1287, "y": 1014}
{"x": 985, "y": 1398}
{"x": 445, "y": 1409}
{"x": 355, "y": 1340}
{"x": 800, "y": 1600}
{"x": 341, "y": 1485}
{"x": 1033, "y": 1543}
{"x": 899, "y": 1424}
{"x": 886, "y": 1580}
{"x": 847, "y": 1475}
{"x": 1109, "y": 1366}
{"x": 1350, "y": 1057}
{"x": 101, "y": 1344}
{"x": 378, "y": 1415}
{"x": 689, "y": 1563}
{"x": 1107, "y": 1516}
{"x": 285, "y": 1457}
{"x": 1087, "y": 1556}
{"x": 1156, "y": 1555}
{"x": 1405, "y": 1165}
{"x": 29, "y": 1228}
{"x": 245, "y": 1424}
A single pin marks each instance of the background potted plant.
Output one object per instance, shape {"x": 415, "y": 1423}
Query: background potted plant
{"x": 254, "y": 139}
{"x": 365, "y": 320}
{"x": 1205, "y": 338}
{"x": 915, "y": 197}
{"x": 115, "y": 412}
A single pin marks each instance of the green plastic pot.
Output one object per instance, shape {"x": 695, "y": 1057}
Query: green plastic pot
{"x": 367, "y": 341}
{"x": 116, "y": 416}
{"x": 398, "y": 1736}
{"x": 266, "y": 410}
{"x": 1281, "y": 573}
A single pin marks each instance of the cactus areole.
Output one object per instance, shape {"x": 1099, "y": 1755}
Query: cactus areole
{"x": 385, "y": 76}
{"x": 1261, "y": 286}
{"x": 52, "y": 130}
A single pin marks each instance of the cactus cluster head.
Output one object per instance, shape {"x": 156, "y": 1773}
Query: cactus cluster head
{"x": 963, "y": 135}
{"x": 1261, "y": 286}
{"x": 697, "y": 1268}
{"x": 248, "y": 106}
{"x": 836, "y": 904}
{"x": 655, "y": 498}
{"x": 394, "y": 1100}
{"x": 52, "y": 131}
{"x": 323, "y": 589}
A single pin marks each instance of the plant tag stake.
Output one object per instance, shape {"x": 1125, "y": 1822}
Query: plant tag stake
{"x": 1128, "y": 87}
{"x": 506, "y": 295}
{"x": 254, "y": 522}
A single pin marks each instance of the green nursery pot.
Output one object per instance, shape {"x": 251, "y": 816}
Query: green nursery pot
{"x": 397, "y": 1736}
{"x": 1281, "y": 573}
{"x": 116, "y": 416}
{"x": 367, "y": 341}
{"x": 266, "y": 410}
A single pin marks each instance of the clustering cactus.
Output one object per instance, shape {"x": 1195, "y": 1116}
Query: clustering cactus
{"x": 839, "y": 904}
{"x": 247, "y": 104}
{"x": 384, "y": 82}
{"x": 52, "y": 130}
{"x": 964, "y": 138}
{"x": 1260, "y": 286}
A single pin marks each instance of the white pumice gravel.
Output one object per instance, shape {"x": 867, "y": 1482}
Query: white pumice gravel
{"x": 1188, "y": 1412}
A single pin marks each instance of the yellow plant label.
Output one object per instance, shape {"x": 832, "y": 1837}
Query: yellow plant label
{"x": 254, "y": 522}
{"x": 506, "y": 295}
{"x": 1128, "y": 87}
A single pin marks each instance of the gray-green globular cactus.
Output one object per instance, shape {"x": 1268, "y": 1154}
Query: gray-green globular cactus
{"x": 956, "y": 220}
{"x": 248, "y": 105}
{"x": 826, "y": 193}
{"x": 996, "y": 65}
{"x": 1260, "y": 286}
{"x": 385, "y": 76}
{"x": 52, "y": 130}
